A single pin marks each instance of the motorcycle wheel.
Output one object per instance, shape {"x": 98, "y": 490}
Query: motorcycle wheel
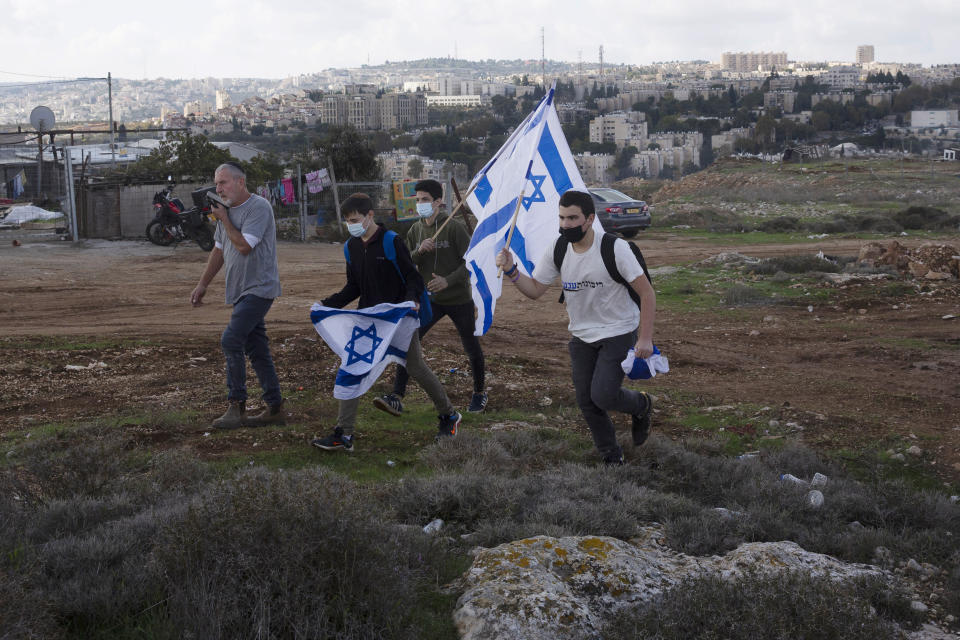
{"x": 159, "y": 234}
{"x": 204, "y": 238}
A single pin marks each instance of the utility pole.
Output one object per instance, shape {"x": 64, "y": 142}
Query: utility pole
{"x": 113, "y": 146}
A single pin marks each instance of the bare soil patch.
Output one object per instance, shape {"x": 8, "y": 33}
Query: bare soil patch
{"x": 866, "y": 370}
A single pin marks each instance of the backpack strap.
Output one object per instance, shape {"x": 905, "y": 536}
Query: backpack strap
{"x": 608, "y": 254}
{"x": 559, "y": 251}
{"x": 390, "y": 250}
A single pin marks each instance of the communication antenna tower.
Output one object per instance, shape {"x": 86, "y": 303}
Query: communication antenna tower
{"x": 543, "y": 67}
{"x": 601, "y": 62}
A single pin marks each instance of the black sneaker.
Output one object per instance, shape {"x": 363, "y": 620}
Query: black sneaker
{"x": 614, "y": 460}
{"x": 641, "y": 422}
{"x": 448, "y": 425}
{"x": 477, "y": 403}
{"x": 389, "y": 403}
{"x": 334, "y": 441}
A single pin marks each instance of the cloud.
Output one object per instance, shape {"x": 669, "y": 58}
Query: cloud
{"x": 200, "y": 38}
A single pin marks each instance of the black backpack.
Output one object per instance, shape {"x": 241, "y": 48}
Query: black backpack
{"x": 609, "y": 261}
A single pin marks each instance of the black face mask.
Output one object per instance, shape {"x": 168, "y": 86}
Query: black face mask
{"x": 572, "y": 234}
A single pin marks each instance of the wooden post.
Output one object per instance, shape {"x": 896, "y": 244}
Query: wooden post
{"x": 336, "y": 198}
{"x": 456, "y": 190}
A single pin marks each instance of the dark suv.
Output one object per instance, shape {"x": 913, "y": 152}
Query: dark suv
{"x": 619, "y": 212}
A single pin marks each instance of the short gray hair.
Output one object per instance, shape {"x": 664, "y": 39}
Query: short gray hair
{"x": 233, "y": 168}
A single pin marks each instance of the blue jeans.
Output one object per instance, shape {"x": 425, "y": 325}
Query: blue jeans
{"x": 246, "y": 336}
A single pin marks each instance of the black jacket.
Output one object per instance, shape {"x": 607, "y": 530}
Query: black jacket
{"x": 373, "y": 278}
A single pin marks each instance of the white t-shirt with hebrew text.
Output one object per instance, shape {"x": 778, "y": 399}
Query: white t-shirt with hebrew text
{"x": 599, "y": 307}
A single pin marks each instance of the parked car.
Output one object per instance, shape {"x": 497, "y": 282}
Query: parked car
{"x": 619, "y": 212}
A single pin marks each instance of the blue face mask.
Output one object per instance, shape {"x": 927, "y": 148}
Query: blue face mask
{"x": 425, "y": 209}
{"x": 355, "y": 229}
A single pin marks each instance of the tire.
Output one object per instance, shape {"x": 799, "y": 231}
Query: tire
{"x": 628, "y": 233}
{"x": 159, "y": 234}
{"x": 204, "y": 238}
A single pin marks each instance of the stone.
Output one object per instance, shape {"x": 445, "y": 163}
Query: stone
{"x": 937, "y": 275}
{"x": 918, "y": 606}
{"x": 566, "y": 588}
{"x": 915, "y": 451}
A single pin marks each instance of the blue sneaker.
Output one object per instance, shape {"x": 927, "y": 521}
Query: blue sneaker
{"x": 447, "y": 428}
{"x": 334, "y": 441}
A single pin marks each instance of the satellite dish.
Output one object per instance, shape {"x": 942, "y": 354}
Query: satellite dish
{"x": 42, "y": 119}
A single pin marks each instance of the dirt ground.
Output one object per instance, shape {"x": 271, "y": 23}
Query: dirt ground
{"x": 862, "y": 371}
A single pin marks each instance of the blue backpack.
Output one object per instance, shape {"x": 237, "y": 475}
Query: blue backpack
{"x": 390, "y": 251}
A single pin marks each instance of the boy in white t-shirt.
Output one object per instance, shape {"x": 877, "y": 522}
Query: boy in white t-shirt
{"x": 603, "y": 321}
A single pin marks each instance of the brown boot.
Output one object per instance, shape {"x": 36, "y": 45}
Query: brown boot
{"x": 236, "y": 416}
{"x": 273, "y": 414}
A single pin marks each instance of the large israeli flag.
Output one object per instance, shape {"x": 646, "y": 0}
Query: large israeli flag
{"x": 367, "y": 340}
{"x": 535, "y": 165}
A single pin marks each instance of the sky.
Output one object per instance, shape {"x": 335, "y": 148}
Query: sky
{"x": 256, "y": 38}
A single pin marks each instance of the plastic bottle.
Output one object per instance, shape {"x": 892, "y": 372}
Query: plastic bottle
{"x": 787, "y": 477}
{"x": 814, "y": 499}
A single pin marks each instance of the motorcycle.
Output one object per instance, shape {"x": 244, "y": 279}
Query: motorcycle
{"x": 174, "y": 222}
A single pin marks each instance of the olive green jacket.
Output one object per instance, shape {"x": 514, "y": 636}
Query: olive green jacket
{"x": 446, "y": 260}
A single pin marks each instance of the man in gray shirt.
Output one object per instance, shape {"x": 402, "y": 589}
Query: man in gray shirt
{"x": 246, "y": 243}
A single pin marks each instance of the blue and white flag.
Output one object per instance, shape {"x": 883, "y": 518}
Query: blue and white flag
{"x": 534, "y": 164}
{"x": 644, "y": 368}
{"x": 367, "y": 340}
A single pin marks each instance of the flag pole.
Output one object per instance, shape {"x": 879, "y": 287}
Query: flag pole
{"x": 455, "y": 209}
{"x": 513, "y": 225}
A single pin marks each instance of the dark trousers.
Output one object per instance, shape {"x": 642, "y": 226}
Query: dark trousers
{"x": 462, "y": 317}
{"x": 246, "y": 336}
{"x": 596, "y": 378}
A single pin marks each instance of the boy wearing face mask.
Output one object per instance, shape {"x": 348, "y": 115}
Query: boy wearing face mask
{"x": 603, "y": 321}
{"x": 374, "y": 279}
{"x": 440, "y": 263}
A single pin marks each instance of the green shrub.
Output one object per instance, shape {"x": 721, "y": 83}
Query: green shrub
{"x": 739, "y": 295}
{"x": 793, "y": 264}
{"x": 926, "y": 218}
{"x": 764, "y": 607}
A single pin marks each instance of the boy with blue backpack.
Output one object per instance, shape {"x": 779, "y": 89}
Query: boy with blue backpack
{"x": 380, "y": 270}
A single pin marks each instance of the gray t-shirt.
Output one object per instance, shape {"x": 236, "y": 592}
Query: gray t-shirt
{"x": 257, "y": 272}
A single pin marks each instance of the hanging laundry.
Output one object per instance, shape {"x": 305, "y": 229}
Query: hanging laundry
{"x": 289, "y": 196}
{"x": 314, "y": 184}
{"x": 18, "y": 181}
{"x": 317, "y": 180}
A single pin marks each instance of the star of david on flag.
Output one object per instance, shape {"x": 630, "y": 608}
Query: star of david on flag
{"x": 367, "y": 340}
{"x": 353, "y": 355}
{"x": 535, "y": 165}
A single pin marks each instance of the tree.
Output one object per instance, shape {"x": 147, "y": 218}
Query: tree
{"x": 182, "y": 155}
{"x": 351, "y": 154}
{"x": 503, "y": 106}
{"x": 415, "y": 168}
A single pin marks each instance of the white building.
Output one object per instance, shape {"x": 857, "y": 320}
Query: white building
{"x": 865, "y": 54}
{"x": 934, "y": 119}
{"x": 841, "y": 77}
{"x": 623, "y": 129}
{"x": 223, "y": 100}
{"x": 454, "y": 101}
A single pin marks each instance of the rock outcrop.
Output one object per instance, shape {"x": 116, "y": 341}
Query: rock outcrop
{"x": 931, "y": 260}
{"x": 559, "y": 588}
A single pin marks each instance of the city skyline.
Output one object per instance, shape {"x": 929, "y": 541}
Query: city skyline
{"x": 214, "y": 38}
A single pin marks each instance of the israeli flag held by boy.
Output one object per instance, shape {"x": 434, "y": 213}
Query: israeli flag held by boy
{"x": 367, "y": 340}
{"x": 535, "y": 165}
